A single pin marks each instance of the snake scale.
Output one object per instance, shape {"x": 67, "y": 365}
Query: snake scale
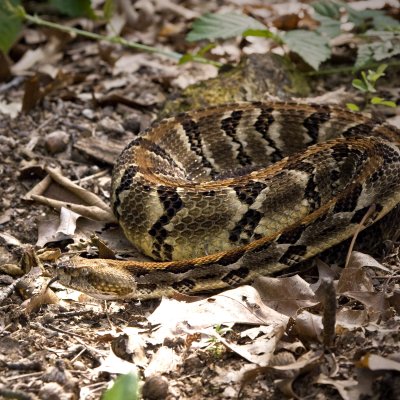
{"x": 221, "y": 195}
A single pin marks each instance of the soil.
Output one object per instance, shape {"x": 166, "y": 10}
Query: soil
{"x": 95, "y": 93}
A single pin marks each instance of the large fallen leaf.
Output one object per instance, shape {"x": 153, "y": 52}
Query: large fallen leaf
{"x": 241, "y": 305}
{"x": 285, "y": 295}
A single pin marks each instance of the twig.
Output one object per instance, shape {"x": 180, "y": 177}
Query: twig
{"x": 360, "y": 226}
{"x": 329, "y": 316}
{"x": 112, "y": 39}
{"x": 349, "y": 69}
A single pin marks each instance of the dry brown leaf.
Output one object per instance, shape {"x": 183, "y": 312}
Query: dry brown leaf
{"x": 260, "y": 349}
{"x": 376, "y": 303}
{"x": 240, "y": 305}
{"x": 285, "y": 295}
{"x": 46, "y": 296}
{"x": 354, "y": 277}
{"x": 306, "y": 362}
{"x": 350, "y": 319}
{"x": 308, "y": 326}
{"x": 347, "y": 388}
{"x": 68, "y": 221}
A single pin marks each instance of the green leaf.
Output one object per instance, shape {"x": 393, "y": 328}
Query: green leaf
{"x": 263, "y": 33}
{"x": 328, "y": 27}
{"x": 192, "y": 56}
{"x": 221, "y": 26}
{"x": 327, "y": 9}
{"x": 377, "y": 51}
{"x": 369, "y": 85}
{"x": 352, "y": 107}
{"x": 373, "y": 76}
{"x": 125, "y": 387}
{"x": 205, "y": 49}
{"x": 10, "y": 23}
{"x": 186, "y": 58}
{"x": 381, "y": 101}
{"x": 311, "y": 47}
{"x": 74, "y": 8}
{"x": 377, "y": 18}
{"x": 108, "y": 9}
{"x": 360, "y": 85}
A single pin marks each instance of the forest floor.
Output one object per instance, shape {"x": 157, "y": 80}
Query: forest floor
{"x": 82, "y": 102}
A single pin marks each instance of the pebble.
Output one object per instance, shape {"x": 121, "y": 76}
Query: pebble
{"x": 155, "y": 388}
{"x": 132, "y": 125}
{"x": 110, "y": 125}
{"x": 88, "y": 113}
{"x": 56, "y": 142}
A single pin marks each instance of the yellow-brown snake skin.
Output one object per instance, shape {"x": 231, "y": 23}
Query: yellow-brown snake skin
{"x": 221, "y": 195}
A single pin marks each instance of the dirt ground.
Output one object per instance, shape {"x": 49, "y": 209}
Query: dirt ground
{"x": 83, "y": 102}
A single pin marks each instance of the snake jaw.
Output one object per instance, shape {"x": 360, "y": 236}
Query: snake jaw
{"x": 96, "y": 278}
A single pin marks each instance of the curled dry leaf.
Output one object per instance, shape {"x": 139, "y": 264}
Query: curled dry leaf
{"x": 309, "y": 326}
{"x": 45, "y": 296}
{"x": 350, "y": 319}
{"x": 354, "y": 277}
{"x": 285, "y": 295}
{"x": 306, "y": 362}
{"x": 347, "y": 388}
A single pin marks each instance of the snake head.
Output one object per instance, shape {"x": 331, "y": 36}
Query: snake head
{"x": 96, "y": 278}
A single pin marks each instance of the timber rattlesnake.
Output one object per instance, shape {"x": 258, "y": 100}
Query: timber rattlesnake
{"x": 220, "y": 195}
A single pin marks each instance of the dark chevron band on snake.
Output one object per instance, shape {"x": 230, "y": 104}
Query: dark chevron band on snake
{"x": 219, "y": 196}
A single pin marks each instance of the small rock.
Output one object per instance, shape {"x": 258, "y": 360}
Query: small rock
{"x": 132, "y": 125}
{"x": 53, "y": 391}
{"x": 79, "y": 365}
{"x": 56, "y": 141}
{"x": 88, "y": 113}
{"x": 155, "y": 388}
{"x": 110, "y": 125}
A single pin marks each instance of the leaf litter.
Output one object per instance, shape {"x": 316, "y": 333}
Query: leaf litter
{"x": 262, "y": 341}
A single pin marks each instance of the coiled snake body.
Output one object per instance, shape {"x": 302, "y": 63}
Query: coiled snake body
{"x": 220, "y": 195}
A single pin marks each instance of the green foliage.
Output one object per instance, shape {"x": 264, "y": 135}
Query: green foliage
{"x": 383, "y": 102}
{"x": 108, "y": 9}
{"x": 221, "y": 26}
{"x": 192, "y": 56}
{"x": 311, "y": 47}
{"x": 352, "y": 107}
{"x": 382, "y": 45}
{"x": 362, "y": 20}
{"x": 216, "y": 348}
{"x": 369, "y": 79}
{"x": 74, "y": 8}
{"x": 367, "y": 85}
{"x": 10, "y": 24}
{"x": 125, "y": 387}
